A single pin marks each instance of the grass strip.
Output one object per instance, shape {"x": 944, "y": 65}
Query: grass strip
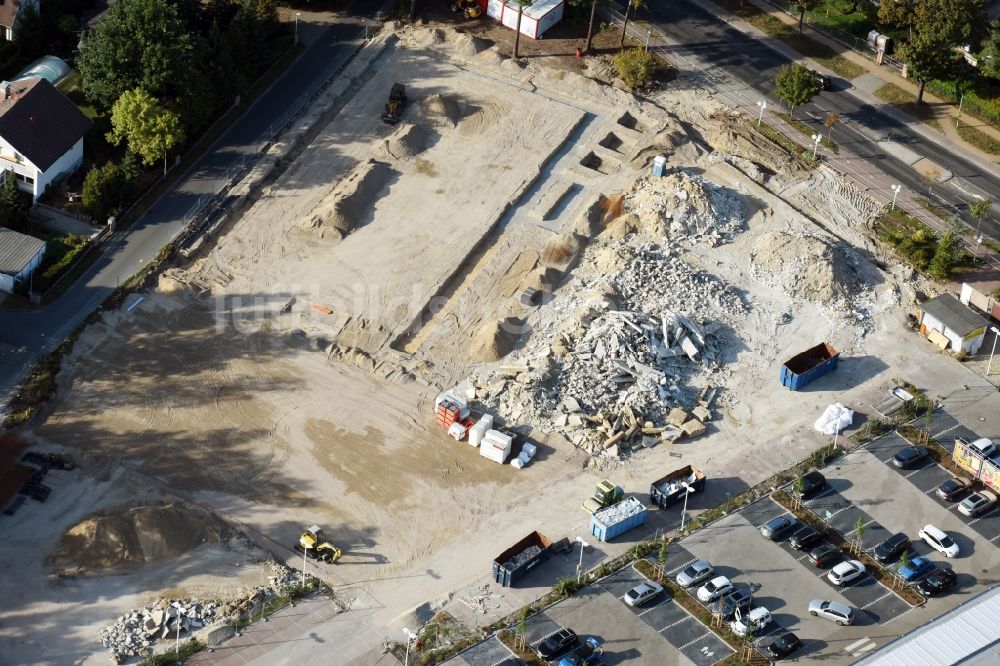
{"x": 880, "y": 573}
{"x": 905, "y": 101}
{"x": 808, "y": 131}
{"x": 934, "y": 209}
{"x": 977, "y": 138}
{"x": 789, "y": 145}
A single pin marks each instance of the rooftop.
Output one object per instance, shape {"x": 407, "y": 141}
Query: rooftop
{"x": 949, "y": 310}
{"x": 17, "y": 250}
{"x": 39, "y": 121}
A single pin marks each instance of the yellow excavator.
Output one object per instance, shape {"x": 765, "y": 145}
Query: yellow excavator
{"x": 314, "y": 544}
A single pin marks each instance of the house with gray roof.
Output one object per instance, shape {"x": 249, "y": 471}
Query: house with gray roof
{"x": 20, "y": 254}
{"x": 41, "y": 134}
{"x": 10, "y": 12}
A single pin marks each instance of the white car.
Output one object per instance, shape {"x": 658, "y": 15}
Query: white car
{"x": 977, "y": 503}
{"x": 846, "y": 572}
{"x": 695, "y": 573}
{"x": 831, "y": 610}
{"x": 939, "y": 541}
{"x": 755, "y": 618}
{"x": 714, "y": 589}
{"x": 642, "y": 593}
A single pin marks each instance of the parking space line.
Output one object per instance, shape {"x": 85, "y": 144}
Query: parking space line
{"x": 933, "y": 464}
{"x": 673, "y": 571}
{"x": 893, "y": 619}
{"x": 653, "y": 608}
{"x": 872, "y": 603}
{"x": 946, "y": 430}
{"x": 546, "y": 637}
{"x": 683, "y": 619}
{"x": 985, "y": 515}
{"x": 690, "y": 643}
{"x": 995, "y": 538}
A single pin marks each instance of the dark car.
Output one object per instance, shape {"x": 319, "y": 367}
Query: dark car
{"x": 938, "y": 582}
{"x": 824, "y": 555}
{"x": 738, "y": 599}
{"x": 890, "y": 549}
{"x": 558, "y": 644}
{"x": 807, "y": 537}
{"x": 512, "y": 661}
{"x": 586, "y": 654}
{"x": 776, "y": 528}
{"x": 812, "y": 484}
{"x": 822, "y": 79}
{"x": 952, "y": 489}
{"x": 783, "y": 645}
{"x": 910, "y": 457}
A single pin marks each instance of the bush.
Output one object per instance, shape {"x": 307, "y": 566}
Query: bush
{"x": 103, "y": 191}
{"x": 635, "y": 67}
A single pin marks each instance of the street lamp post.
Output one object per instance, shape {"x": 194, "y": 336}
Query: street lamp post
{"x": 579, "y": 566}
{"x": 895, "y": 192}
{"x": 297, "y": 15}
{"x": 760, "y": 105}
{"x": 410, "y": 637}
{"x": 996, "y": 334}
{"x": 305, "y": 549}
{"x": 816, "y": 139}
{"x": 649, "y": 33}
{"x": 687, "y": 491}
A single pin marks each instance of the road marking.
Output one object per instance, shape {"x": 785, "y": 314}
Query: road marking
{"x": 690, "y": 643}
{"x": 872, "y": 603}
{"x": 916, "y": 471}
{"x": 546, "y": 637}
{"x": 652, "y": 608}
{"x": 893, "y": 619}
{"x": 856, "y": 644}
{"x": 683, "y": 619}
{"x": 871, "y": 645}
{"x": 984, "y": 515}
{"x": 946, "y": 430}
{"x": 673, "y": 571}
{"x": 995, "y": 538}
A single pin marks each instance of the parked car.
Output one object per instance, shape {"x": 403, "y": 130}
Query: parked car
{"x": 890, "y": 549}
{"x": 984, "y": 447}
{"x": 831, "y": 610}
{"x": 952, "y": 489}
{"x": 939, "y": 541}
{"x": 738, "y": 598}
{"x": 587, "y": 654}
{"x": 806, "y": 537}
{"x": 846, "y": 573}
{"x": 512, "y": 661}
{"x": 714, "y": 589}
{"x": 822, "y": 79}
{"x": 977, "y": 503}
{"x": 558, "y": 644}
{"x": 755, "y": 618}
{"x": 776, "y": 528}
{"x": 916, "y": 568}
{"x": 937, "y": 582}
{"x": 783, "y": 646}
{"x": 695, "y": 573}
{"x": 642, "y": 593}
{"x": 910, "y": 457}
{"x": 812, "y": 484}
{"x": 824, "y": 555}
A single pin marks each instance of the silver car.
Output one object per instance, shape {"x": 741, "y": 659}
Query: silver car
{"x": 695, "y": 573}
{"x": 643, "y": 593}
{"x": 977, "y": 503}
{"x": 831, "y": 610}
{"x": 714, "y": 589}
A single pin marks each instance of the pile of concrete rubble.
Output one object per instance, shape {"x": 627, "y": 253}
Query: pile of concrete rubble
{"x": 686, "y": 207}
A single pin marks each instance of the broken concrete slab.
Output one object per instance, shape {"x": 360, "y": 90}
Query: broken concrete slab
{"x": 677, "y": 417}
{"x": 693, "y": 428}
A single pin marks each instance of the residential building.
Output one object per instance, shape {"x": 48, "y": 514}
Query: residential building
{"x": 20, "y": 255}
{"x": 10, "y": 11}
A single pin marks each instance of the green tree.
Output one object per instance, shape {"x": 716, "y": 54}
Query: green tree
{"x": 14, "y": 204}
{"x": 927, "y": 59}
{"x": 629, "y": 5}
{"x": 103, "y": 190}
{"x": 859, "y": 532}
{"x": 928, "y": 423}
{"x": 522, "y": 627}
{"x": 899, "y": 13}
{"x": 945, "y": 255}
{"x": 521, "y": 4}
{"x": 661, "y": 557}
{"x": 979, "y": 211}
{"x": 952, "y": 22}
{"x": 634, "y": 66}
{"x": 804, "y": 6}
{"x": 590, "y": 24}
{"x": 150, "y": 129}
{"x": 989, "y": 61}
{"x": 138, "y": 44}
{"x": 904, "y": 559}
{"x": 796, "y": 85}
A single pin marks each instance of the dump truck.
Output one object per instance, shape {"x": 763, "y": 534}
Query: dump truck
{"x": 313, "y": 543}
{"x": 514, "y": 563}
{"x": 397, "y": 98}
{"x": 618, "y": 519}
{"x": 605, "y": 494}
{"x": 808, "y": 366}
{"x": 670, "y": 489}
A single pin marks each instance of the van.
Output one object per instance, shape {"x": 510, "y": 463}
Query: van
{"x": 984, "y": 447}
{"x": 755, "y": 619}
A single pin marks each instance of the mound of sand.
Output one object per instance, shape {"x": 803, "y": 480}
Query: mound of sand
{"x": 808, "y": 267}
{"x": 496, "y": 339}
{"x": 441, "y": 108}
{"x": 406, "y": 142}
{"x": 350, "y": 202}
{"x": 137, "y": 537}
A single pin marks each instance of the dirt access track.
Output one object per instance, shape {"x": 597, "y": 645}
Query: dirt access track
{"x": 286, "y": 376}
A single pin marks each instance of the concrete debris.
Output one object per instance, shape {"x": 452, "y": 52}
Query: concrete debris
{"x": 482, "y": 599}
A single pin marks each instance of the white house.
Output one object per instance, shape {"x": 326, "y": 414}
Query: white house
{"x": 19, "y": 256}
{"x": 10, "y": 11}
{"x": 41, "y": 133}
{"x": 948, "y": 323}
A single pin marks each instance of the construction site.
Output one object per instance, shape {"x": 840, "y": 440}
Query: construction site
{"x": 615, "y": 279}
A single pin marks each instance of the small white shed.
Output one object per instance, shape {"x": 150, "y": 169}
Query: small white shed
{"x": 20, "y": 254}
{"x": 950, "y": 324}
{"x": 537, "y": 18}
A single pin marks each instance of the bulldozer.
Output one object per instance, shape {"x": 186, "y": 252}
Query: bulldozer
{"x": 605, "y": 494}
{"x": 314, "y": 544}
{"x": 397, "y": 98}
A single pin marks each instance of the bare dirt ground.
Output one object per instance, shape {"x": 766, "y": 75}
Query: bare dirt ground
{"x": 287, "y": 376}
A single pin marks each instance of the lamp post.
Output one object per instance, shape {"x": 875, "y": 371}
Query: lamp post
{"x": 895, "y": 193}
{"x": 687, "y": 491}
{"x": 410, "y": 637}
{"x": 649, "y": 33}
{"x": 816, "y": 139}
{"x": 297, "y": 15}
{"x": 305, "y": 549}
{"x": 579, "y": 567}
{"x": 996, "y": 334}
{"x": 760, "y": 105}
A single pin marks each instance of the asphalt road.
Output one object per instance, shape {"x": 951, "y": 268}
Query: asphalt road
{"x": 38, "y": 331}
{"x": 722, "y": 49}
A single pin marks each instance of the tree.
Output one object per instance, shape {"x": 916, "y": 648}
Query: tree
{"x": 14, "y": 204}
{"x": 522, "y": 627}
{"x": 634, "y": 66}
{"x": 831, "y": 119}
{"x": 804, "y": 6}
{"x": 103, "y": 190}
{"x": 899, "y": 13}
{"x": 590, "y": 24}
{"x": 989, "y": 63}
{"x": 979, "y": 211}
{"x": 796, "y": 85}
{"x": 953, "y": 22}
{"x": 150, "y": 129}
{"x": 661, "y": 557}
{"x": 859, "y": 532}
{"x": 928, "y": 422}
{"x": 945, "y": 255}
{"x": 521, "y": 4}
{"x": 630, "y": 4}
{"x": 138, "y": 44}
